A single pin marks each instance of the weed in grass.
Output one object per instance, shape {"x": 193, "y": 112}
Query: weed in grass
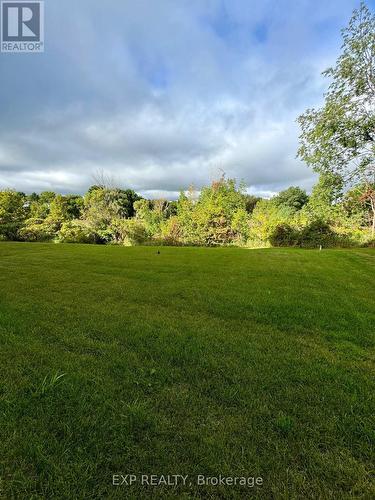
{"x": 49, "y": 383}
{"x": 284, "y": 424}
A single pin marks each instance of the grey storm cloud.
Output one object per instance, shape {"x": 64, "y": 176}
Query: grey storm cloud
{"x": 164, "y": 94}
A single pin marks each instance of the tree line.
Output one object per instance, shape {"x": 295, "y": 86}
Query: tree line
{"x": 219, "y": 214}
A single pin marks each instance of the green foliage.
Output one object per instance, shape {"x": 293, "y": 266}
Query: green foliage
{"x": 215, "y": 216}
{"x": 339, "y": 138}
{"x": 100, "y": 208}
{"x": 171, "y": 209}
{"x": 55, "y": 206}
{"x": 241, "y": 225}
{"x": 74, "y": 206}
{"x": 312, "y": 235}
{"x": 358, "y": 204}
{"x": 38, "y": 230}
{"x": 284, "y": 235}
{"x": 129, "y": 231}
{"x": 293, "y": 198}
{"x": 58, "y": 212}
{"x": 370, "y": 243}
{"x": 219, "y": 213}
{"x": 124, "y": 199}
{"x": 266, "y": 217}
{"x": 152, "y": 213}
{"x": 46, "y": 197}
{"x": 316, "y": 233}
{"x": 77, "y": 231}
{"x": 325, "y": 197}
{"x": 171, "y": 231}
{"x": 101, "y": 204}
{"x": 12, "y": 206}
{"x": 187, "y": 226}
{"x": 12, "y": 213}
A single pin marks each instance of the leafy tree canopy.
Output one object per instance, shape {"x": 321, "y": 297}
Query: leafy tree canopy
{"x": 339, "y": 137}
{"x": 294, "y": 198}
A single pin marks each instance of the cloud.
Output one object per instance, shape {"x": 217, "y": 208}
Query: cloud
{"x": 165, "y": 94}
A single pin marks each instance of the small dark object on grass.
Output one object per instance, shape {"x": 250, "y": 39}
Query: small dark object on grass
{"x": 158, "y": 252}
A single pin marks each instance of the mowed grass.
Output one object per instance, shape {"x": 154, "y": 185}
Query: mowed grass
{"x": 192, "y": 361}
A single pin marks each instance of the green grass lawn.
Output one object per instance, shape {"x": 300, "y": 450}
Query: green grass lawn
{"x": 195, "y": 361}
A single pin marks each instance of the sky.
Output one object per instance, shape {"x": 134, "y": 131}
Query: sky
{"x": 162, "y": 94}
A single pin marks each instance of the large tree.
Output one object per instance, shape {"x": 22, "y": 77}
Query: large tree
{"x": 294, "y": 198}
{"x": 339, "y": 137}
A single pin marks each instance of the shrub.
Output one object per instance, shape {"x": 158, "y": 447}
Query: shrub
{"x": 171, "y": 231}
{"x": 12, "y": 214}
{"x": 129, "y": 231}
{"x": 9, "y": 231}
{"x": 76, "y": 231}
{"x": 151, "y": 214}
{"x": 284, "y": 235}
{"x": 265, "y": 219}
{"x": 38, "y": 230}
{"x": 240, "y": 225}
{"x": 369, "y": 244}
{"x": 317, "y": 233}
{"x": 217, "y": 208}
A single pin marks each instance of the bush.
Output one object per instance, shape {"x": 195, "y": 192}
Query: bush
{"x": 9, "y": 231}
{"x": 240, "y": 225}
{"x": 317, "y": 233}
{"x": 284, "y": 235}
{"x": 369, "y": 244}
{"x": 214, "y": 217}
{"x": 129, "y": 231}
{"x": 37, "y": 230}
{"x": 314, "y": 234}
{"x": 267, "y": 216}
{"x": 171, "y": 231}
{"x": 12, "y": 214}
{"x": 76, "y": 231}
